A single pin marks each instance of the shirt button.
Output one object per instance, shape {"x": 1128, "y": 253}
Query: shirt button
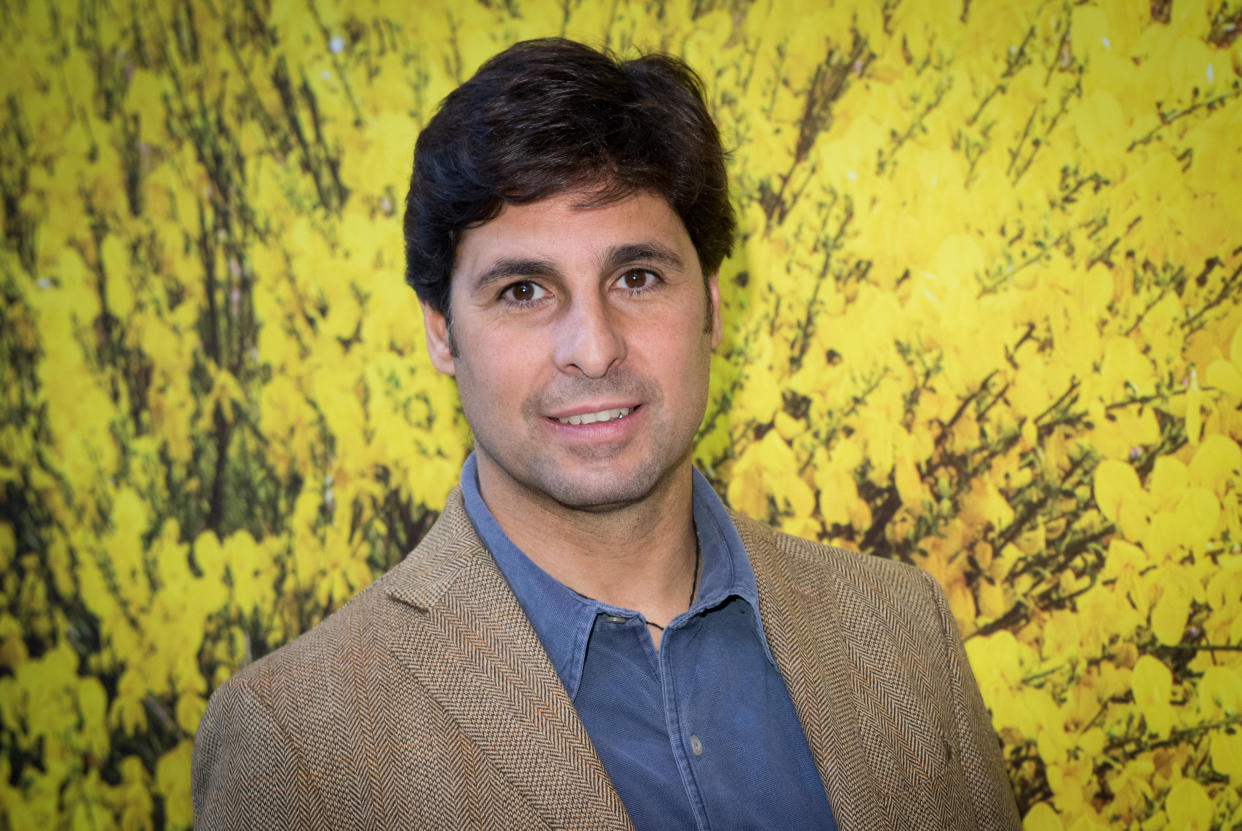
{"x": 614, "y": 619}
{"x": 696, "y": 746}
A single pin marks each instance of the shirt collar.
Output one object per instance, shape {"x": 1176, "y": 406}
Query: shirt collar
{"x": 564, "y": 619}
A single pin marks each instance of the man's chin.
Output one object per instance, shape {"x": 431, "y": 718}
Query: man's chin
{"x": 612, "y": 482}
{"x": 598, "y": 500}
{"x": 601, "y": 490}
{"x": 598, "y": 504}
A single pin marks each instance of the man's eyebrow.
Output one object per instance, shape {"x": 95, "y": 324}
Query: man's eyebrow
{"x": 511, "y": 268}
{"x": 651, "y": 252}
{"x": 508, "y": 269}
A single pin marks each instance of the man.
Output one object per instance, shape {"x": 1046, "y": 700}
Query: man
{"x": 587, "y": 638}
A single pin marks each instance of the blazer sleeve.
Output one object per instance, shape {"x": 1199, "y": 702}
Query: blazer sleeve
{"x": 978, "y": 747}
{"x": 246, "y": 772}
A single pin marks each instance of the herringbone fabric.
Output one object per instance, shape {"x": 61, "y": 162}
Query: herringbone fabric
{"x": 872, "y": 660}
{"x": 428, "y": 702}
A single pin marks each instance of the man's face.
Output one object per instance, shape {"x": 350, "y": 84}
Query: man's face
{"x": 582, "y": 348}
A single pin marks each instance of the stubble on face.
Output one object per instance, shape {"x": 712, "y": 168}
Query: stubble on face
{"x": 663, "y": 369}
{"x": 611, "y": 487}
{"x": 592, "y": 479}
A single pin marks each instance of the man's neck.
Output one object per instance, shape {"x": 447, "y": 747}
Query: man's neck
{"x": 639, "y": 556}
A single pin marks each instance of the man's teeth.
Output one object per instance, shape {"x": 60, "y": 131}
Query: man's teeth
{"x": 602, "y": 415}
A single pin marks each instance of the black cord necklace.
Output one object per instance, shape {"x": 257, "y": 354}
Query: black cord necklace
{"x": 694, "y": 584}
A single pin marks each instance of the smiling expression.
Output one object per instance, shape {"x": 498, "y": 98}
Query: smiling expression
{"x": 581, "y": 343}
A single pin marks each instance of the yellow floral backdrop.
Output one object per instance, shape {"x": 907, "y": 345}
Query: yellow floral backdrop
{"x": 985, "y": 316}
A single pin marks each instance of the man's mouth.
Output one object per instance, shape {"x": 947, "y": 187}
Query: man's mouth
{"x": 602, "y": 415}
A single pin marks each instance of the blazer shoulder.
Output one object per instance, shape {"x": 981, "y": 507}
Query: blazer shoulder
{"x": 260, "y": 742}
{"x": 359, "y": 624}
{"x": 810, "y": 565}
{"x": 313, "y": 671}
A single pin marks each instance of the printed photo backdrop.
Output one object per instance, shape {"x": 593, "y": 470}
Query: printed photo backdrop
{"x": 983, "y": 317}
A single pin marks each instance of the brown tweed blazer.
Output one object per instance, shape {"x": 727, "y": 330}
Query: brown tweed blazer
{"x": 427, "y": 702}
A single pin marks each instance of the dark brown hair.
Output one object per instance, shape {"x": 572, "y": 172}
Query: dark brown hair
{"x": 549, "y": 116}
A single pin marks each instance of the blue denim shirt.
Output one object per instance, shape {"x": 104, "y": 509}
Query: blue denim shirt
{"x": 700, "y": 734}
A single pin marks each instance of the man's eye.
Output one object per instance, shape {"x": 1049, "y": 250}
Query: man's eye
{"x": 523, "y": 291}
{"x": 636, "y": 279}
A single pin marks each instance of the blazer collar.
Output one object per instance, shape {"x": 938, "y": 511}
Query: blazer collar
{"x": 813, "y": 662}
{"x": 467, "y": 642}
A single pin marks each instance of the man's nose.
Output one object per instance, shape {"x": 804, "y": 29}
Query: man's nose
{"x": 590, "y": 339}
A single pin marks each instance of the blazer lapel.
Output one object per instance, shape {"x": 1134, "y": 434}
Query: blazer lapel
{"x": 469, "y": 644}
{"x": 803, "y": 629}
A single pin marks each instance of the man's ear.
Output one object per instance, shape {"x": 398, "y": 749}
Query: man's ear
{"x": 713, "y": 300}
{"x": 439, "y": 340}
